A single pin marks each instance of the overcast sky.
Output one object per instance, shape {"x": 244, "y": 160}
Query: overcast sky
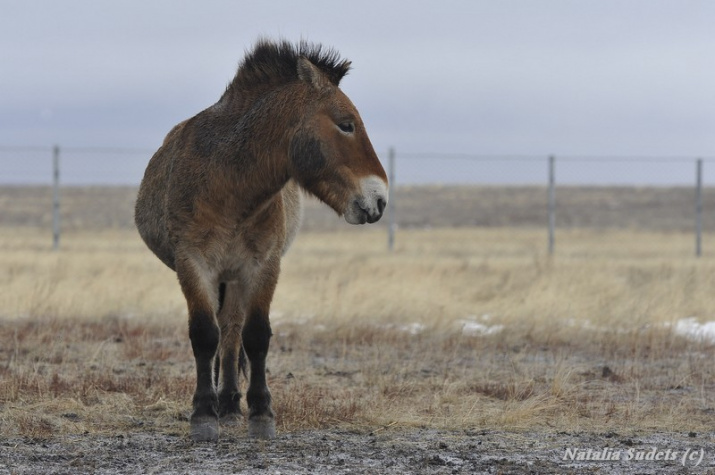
{"x": 586, "y": 78}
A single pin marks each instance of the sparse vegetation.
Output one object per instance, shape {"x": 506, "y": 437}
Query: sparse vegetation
{"x": 94, "y": 337}
{"x": 458, "y": 329}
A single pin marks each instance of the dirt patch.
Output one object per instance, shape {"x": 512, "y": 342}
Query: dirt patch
{"x": 330, "y": 452}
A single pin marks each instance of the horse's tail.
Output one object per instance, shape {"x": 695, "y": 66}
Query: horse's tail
{"x": 242, "y": 360}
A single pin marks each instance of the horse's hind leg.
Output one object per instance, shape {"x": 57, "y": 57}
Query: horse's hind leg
{"x": 202, "y": 300}
{"x": 230, "y": 320}
{"x": 256, "y": 338}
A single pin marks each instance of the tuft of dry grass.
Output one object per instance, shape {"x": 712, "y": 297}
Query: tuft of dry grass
{"x": 469, "y": 328}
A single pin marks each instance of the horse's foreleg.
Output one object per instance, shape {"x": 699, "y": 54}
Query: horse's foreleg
{"x": 256, "y": 338}
{"x": 200, "y": 293}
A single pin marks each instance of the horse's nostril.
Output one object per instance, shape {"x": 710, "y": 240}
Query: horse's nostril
{"x": 381, "y": 205}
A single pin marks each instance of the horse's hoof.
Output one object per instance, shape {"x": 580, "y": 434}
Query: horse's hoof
{"x": 204, "y": 429}
{"x": 262, "y": 427}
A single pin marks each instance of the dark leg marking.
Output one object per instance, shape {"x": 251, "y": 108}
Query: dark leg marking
{"x": 256, "y": 338}
{"x": 204, "y": 334}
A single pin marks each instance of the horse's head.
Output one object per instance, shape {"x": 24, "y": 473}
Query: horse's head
{"x": 331, "y": 155}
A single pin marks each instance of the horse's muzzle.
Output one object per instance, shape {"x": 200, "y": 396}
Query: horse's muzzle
{"x": 368, "y": 206}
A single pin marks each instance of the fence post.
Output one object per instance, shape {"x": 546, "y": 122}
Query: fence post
{"x": 56, "y": 197}
{"x": 552, "y": 202}
{"x": 698, "y": 206}
{"x": 391, "y": 201}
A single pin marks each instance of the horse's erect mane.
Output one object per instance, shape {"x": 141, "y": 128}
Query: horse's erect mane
{"x": 271, "y": 63}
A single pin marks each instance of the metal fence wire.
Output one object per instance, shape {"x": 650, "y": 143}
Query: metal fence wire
{"x": 558, "y": 176}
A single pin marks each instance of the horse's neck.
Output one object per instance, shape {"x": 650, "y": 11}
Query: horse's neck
{"x": 262, "y": 133}
{"x": 250, "y": 168}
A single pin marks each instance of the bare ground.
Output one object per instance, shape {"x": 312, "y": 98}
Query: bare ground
{"x": 339, "y": 451}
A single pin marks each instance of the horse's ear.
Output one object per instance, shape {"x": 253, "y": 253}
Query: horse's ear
{"x": 312, "y": 75}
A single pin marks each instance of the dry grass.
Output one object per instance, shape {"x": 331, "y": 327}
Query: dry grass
{"x": 93, "y": 338}
{"x": 577, "y": 207}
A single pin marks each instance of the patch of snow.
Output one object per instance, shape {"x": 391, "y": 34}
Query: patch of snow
{"x": 412, "y": 328}
{"x": 472, "y": 328}
{"x": 691, "y": 328}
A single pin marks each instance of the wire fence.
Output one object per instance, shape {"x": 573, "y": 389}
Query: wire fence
{"x": 22, "y": 165}
{"x": 522, "y": 190}
{"x": 78, "y": 165}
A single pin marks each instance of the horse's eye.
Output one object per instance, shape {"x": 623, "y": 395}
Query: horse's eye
{"x": 347, "y": 127}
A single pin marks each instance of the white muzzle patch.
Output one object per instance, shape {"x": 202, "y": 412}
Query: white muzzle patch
{"x": 369, "y": 204}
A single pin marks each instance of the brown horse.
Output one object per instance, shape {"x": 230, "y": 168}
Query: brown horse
{"x": 220, "y": 203}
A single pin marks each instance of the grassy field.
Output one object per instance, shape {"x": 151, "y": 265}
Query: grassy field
{"x": 654, "y": 209}
{"x": 469, "y": 328}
